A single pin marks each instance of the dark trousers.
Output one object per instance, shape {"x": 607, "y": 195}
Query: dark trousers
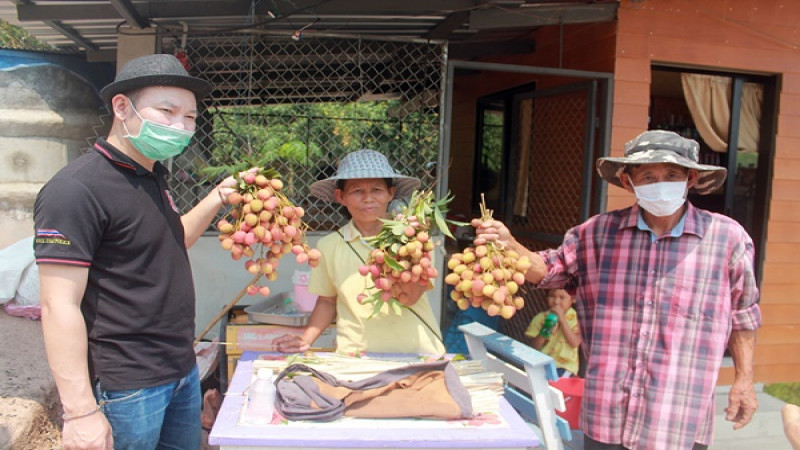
{"x": 591, "y": 444}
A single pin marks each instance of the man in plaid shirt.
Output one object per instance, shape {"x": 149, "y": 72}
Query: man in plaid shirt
{"x": 662, "y": 288}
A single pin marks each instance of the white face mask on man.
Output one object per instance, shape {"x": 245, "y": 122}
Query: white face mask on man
{"x": 662, "y": 198}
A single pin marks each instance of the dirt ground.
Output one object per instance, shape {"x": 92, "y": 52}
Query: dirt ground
{"x": 29, "y": 409}
{"x": 30, "y": 412}
{"x": 44, "y": 434}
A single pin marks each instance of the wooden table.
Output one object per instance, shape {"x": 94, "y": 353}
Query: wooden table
{"x": 506, "y": 431}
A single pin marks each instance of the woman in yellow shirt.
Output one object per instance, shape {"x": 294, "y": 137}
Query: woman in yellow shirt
{"x": 365, "y": 184}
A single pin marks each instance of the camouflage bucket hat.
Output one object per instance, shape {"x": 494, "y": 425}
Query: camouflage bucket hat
{"x": 659, "y": 146}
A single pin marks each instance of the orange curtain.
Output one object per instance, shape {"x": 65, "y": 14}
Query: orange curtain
{"x": 709, "y": 101}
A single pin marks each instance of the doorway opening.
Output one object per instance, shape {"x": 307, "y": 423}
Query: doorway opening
{"x": 734, "y": 119}
{"x": 537, "y": 132}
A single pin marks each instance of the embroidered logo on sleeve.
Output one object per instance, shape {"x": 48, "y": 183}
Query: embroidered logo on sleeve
{"x": 172, "y": 202}
{"x": 50, "y": 236}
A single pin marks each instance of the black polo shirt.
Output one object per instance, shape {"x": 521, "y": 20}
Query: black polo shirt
{"x": 106, "y": 212}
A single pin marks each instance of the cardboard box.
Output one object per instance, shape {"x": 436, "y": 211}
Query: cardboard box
{"x": 231, "y": 367}
{"x": 242, "y": 335}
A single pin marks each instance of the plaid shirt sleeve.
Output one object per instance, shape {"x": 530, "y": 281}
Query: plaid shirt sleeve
{"x": 746, "y": 314}
{"x": 561, "y": 263}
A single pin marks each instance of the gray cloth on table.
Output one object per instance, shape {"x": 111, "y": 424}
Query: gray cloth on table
{"x": 391, "y": 393}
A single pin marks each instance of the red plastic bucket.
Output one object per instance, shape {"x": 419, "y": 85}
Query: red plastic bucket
{"x": 572, "y": 388}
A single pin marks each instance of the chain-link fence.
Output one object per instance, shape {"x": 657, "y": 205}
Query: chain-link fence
{"x": 299, "y": 105}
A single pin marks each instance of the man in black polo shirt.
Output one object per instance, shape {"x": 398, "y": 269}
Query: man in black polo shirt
{"x": 116, "y": 286}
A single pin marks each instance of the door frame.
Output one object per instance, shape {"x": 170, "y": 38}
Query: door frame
{"x": 601, "y": 122}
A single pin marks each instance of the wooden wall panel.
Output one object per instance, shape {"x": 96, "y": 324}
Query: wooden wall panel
{"x": 785, "y": 189}
{"x": 778, "y": 354}
{"x": 786, "y": 211}
{"x": 789, "y": 125}
{"x": 780, "y": 335}
{"x": 783, "y": 232}
{"x": 632, "y": 69}
{"x": 631, "y": 92}
{"x": 787, "y": 147}
{"x": 778, "y": 294}
{"x": 790, "y": 84}
{"x": 781, "y": 273}
{"x": 790, "y": 103}
{"x": 623, "y": 134}
{"x": 788, "y": 170}
{"x": 630, "y": 116}
{"x": 774, "y": 373}
{"x": 581, "y": 47}
{"x": 631, "y": 45}
{"x": 709, "y": 55}
{"x": 780, "y": 315}
{"x": 766, "y": 373}
{"x": 783, "y": 251}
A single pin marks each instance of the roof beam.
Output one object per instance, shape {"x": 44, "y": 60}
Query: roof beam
{"x": 70, "y": 33}
{"x": 62, "y": 29}
{"x": 469, "y": 50}
{"x": 445, "y": 27}
{"x": 227, "y": 8}
{"x": 128, "y": 12}
{"x": 28, "y": 12}
{"x": 538, "y": 15}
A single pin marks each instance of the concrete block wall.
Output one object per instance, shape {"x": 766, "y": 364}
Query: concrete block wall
{"x": 47, "y": 117}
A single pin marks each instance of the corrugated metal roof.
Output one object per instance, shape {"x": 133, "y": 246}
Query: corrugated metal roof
{"x": 473, "y": 28}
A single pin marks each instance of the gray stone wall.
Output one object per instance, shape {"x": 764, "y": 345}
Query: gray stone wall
{"x": 48, "y": 117}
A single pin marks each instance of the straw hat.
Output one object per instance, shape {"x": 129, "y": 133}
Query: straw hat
{"x": 364, "y": 164}
{"x": 660, "y": 146}
{"x": 154, "y": 70}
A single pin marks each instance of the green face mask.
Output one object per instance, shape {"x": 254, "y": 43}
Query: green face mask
{"x": 158, "y": 142}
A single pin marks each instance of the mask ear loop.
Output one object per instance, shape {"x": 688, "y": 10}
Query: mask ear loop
{"x": 125, "y": 125}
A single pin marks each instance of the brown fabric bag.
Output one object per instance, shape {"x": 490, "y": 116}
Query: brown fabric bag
{"x": 428, "y": 390}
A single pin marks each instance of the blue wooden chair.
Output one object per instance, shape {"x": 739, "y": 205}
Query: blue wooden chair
{"x": 526, "y": 372}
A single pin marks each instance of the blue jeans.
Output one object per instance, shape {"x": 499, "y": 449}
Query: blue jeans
{"x": 159, "y": 417}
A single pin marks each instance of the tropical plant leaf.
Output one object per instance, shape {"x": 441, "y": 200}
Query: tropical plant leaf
{"x": 398, "y": 229}
{"x": 441, "y": 224}
{"x": 378, "y": 304}
{"x": 392, "y": 263}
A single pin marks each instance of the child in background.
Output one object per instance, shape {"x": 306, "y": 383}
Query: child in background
{"x": 561, "y": 343}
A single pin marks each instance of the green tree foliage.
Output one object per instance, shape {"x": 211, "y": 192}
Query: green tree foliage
{"x": 12, "y": 36}
{"x": 296, "y": 137}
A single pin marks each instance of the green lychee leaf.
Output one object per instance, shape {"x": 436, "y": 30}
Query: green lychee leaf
{"x": 392, "y": 263}
{"x": 376, "y": 307}
{"x": 441, "y": 223}
{"x": 398, "y": 229}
